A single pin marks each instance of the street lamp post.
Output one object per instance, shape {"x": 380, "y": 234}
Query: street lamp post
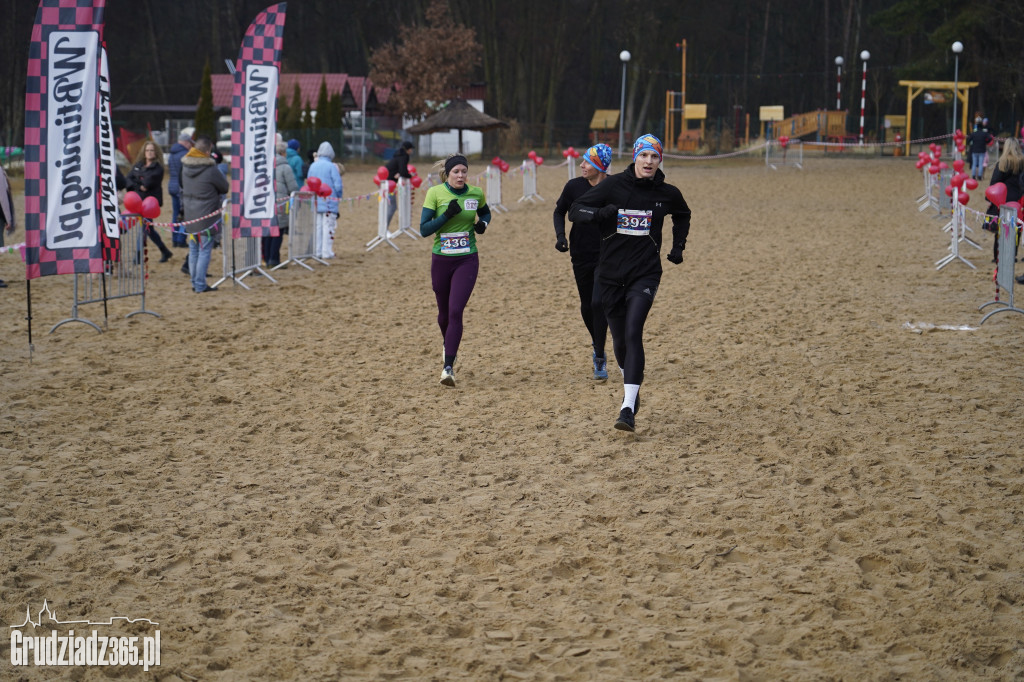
{"x": 624, "y": 56}
{"x": 839, "y": 82}
{"x": 865, "y": 56}
{"x": 957, "y": 48}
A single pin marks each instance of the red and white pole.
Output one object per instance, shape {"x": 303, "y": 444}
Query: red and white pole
{"x": 839, "y": 82}
{"x": 865, "y": 55}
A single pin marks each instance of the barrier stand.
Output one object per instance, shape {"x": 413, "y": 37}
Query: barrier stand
{"x": 1009, "y": 232}
{"x": 302, "y": 231}
{"x": 572, "y": 167}
{"x": 957, "y": 226}
{"x": 403, "y": 196}
{"x": 789, "y": 154}
{"x": 493, "y": 174}
{"x": 926, "y": 199}
{"x": 244, "y": 249}
{"x": 530, "y": 182}
{"x": 383, "y": 236}
{"x": 127, "y": 275}
{"x": 943, "y": 202}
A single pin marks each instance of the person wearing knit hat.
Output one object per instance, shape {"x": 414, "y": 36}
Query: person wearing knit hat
{"x": 629, "y": 210}
{"x": 295, "y": 160}
{"x": 455, "y": 212}
{"x": 584, "y": 248}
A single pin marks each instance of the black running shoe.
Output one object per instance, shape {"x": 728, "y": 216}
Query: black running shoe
{"x": 625, "y": 421}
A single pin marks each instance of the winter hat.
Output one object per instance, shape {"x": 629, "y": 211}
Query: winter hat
{"x": 599, "y": 156}
{"x": 293, "y": 144}
{"x": 647, "y": 141}
{"x": 408, "y": 145}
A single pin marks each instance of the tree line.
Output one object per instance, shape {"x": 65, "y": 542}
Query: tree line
{"x": 548, "y": 64}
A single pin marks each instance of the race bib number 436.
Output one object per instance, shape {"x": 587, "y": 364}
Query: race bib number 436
{"x": 634, "y": 223}
{"x": 453, "y": 243}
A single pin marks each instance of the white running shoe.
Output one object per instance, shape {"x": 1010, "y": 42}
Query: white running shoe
{"x": 447, "y": 376}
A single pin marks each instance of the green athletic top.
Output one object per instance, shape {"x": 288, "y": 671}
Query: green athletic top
{"x": 456, "y": 236}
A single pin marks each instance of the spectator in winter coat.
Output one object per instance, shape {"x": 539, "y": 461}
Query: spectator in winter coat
{"x": 202, "y": 185}
{"x": 146, "y": 178}
{"x": 326, "y": 208}
{"x": 295, "y": 160}
{"x": 284, "y": 185}
{"x": 178, "y": 150}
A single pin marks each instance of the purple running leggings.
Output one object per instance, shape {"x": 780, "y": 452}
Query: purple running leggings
{"x": 453, "y": 279}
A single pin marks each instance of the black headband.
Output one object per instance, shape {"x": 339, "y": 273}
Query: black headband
{"x": 455, "y": 161}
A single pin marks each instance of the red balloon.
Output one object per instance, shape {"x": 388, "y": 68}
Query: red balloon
{"x": 382, "y": 173}
{"x": 539, "y": 160}
{"x": 784, "y": 140}
{"x": 943, "y": 165}
{"x": 150, "y": 208}
{"x": 504, "y": 166}
{"x": 957, "y": 180}
{"x": 920, "y": 164}
{"x": 314, "y": 183}
{"x": 961, "y": 147}
{"x": 948, "y": 190}
{"x": 416, "y": 181}
{"x": 325, "y": 191}
{"x": 391, "y": 186}
{"x": 376, "y": 180}
{"x": 958, "y": 165}
{"x": 133, "y": 203}
{"x": 532, "y": 154}
{"x": 996, "y": 193}
{"x": 565, "y": 153}
{"x": 971, "y": 183}
{"x": 496, "y": 161}
{"x": 933, "y": 169}
{"x": 412, "y": 169}
{"x": 963, "y": 198}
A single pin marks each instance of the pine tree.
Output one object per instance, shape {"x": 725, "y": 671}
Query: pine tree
{"x": 323, "y": 107}
{"x": 206, "y": 122}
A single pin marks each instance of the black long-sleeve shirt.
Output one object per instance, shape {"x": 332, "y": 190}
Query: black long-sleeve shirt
{"x": 626, "y": 254}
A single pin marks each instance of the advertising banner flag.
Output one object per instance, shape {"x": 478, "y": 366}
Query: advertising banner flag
{"x": 62, "y": 148}
{"x": 254, "y": 126}
{"x": 108, "y": 160}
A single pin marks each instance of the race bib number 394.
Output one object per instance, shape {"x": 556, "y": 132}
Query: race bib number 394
{"x": 634, "y": 223}
{"x": 453, "y": 243}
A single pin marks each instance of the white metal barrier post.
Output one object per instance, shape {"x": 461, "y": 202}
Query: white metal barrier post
{"x": 302, "y": 230}
{"x": 403, "y": 196}
{"x": 383, "y": 236}
{"x": 1009, "y": 231}
{"x": 530, "y": 182}
{"x": 493, "y": 174}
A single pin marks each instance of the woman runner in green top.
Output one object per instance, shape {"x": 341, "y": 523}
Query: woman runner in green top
{"x": 455, "y": 212}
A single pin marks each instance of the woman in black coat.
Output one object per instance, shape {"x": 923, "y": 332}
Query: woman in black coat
{"x": 146, "y": 179}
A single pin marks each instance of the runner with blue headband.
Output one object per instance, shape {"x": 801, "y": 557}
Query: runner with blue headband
{"x": 629, "y": 209}
{"x": 584, "y": 247}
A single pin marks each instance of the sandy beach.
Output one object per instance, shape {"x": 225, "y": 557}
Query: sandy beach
{"x": 814, "y": 491}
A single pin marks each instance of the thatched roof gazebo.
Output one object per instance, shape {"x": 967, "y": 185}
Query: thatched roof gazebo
{"x": 457, "y": 115}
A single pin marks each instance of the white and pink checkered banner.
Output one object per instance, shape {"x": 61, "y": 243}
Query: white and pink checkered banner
{"x": 63, "y": 223}
{"x": 254, "y": 126}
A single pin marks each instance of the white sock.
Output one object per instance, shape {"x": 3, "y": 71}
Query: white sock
{"x": 630, "y": 395}
{"x": 622, "y": 371}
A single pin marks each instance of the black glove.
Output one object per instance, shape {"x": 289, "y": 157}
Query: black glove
{"x": 607, "y": 212}
{"x": 480, "y": 227}
{"x": 562, "y": 244}
{"x": 675, "y": 256}
{"x": 453, "y": 209}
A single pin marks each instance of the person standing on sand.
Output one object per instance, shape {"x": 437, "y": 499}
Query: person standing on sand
{"x": 629, "y": 209}
{"x": 584, "y": 250}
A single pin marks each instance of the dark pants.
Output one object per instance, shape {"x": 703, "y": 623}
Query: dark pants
{"x": 177, "y": 237}
{"x": 271, "y": 249}
{"x": 453, "y": 279}
{"x": 591, "y": 308}
{"x": 626, "y": 305}
{"x": 154, "y": 236}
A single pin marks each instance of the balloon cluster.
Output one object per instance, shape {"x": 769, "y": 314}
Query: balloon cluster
{"x": 571, "y": 153}
{"x": 147, "y": 208}
{"x": 783, "y": 141}
{"x": 961, "y": 182}
{"x": 997, "y": 195}
{"x": 532, "y": 155}
{"x": 960, "y": 140}
{"x": 383, "y": 174}
{"x": 314, "y": 185}
{"x": 500, "y": 164}
{"x": 931, "y": 160}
